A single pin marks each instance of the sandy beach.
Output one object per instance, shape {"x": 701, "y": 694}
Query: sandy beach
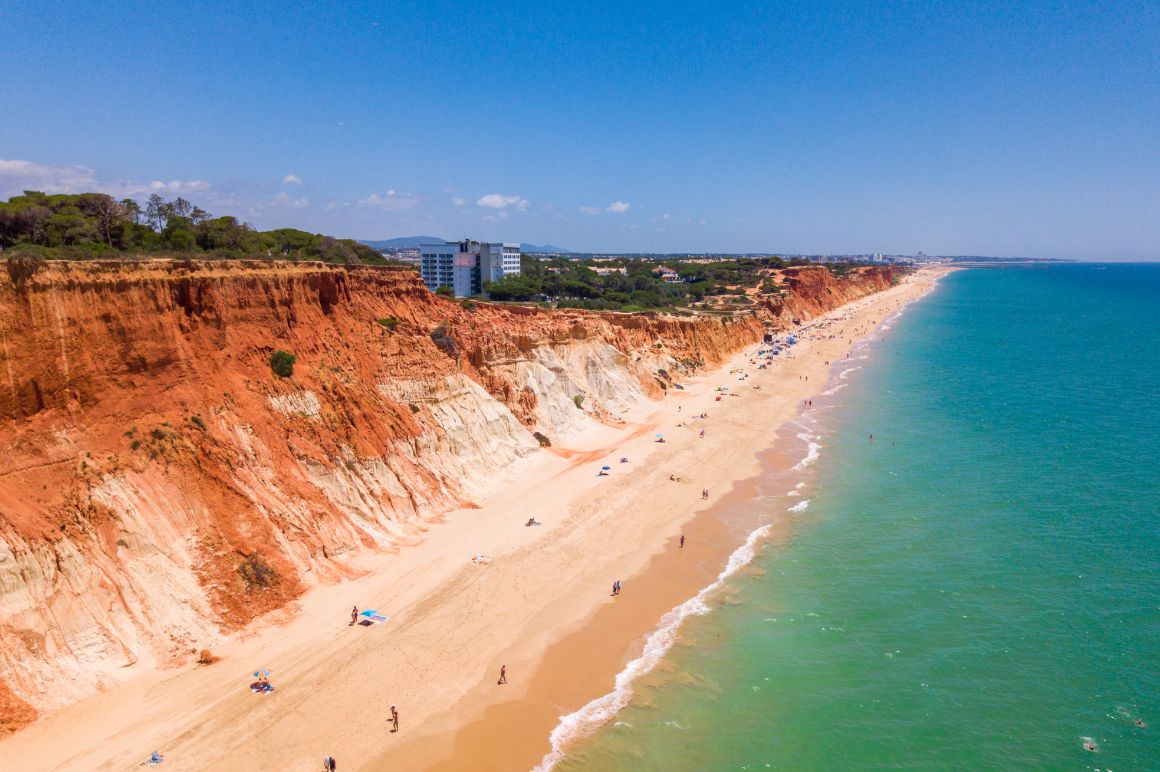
{"x": 540, "y": 604}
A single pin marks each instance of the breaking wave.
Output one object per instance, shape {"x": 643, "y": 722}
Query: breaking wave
{"x": 657, "y": 644}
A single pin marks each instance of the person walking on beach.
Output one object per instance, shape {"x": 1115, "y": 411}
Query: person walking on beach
{"x": 682, "y": 541}
{"x": 617, "y": 586}
{"x": 354, "y": 615}
{"x": 502, "y": 674}
{"x": 394, "y": 720}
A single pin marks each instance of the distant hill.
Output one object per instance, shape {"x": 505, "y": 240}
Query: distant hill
{"x": 405, "y": 242}
{"x": 545, "y": 248}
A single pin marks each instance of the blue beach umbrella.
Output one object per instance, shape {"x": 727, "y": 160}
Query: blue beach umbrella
{"x": 605, "y": 468}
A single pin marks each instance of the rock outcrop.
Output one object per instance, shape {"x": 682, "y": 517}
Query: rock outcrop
{"x": 162, "y": 486}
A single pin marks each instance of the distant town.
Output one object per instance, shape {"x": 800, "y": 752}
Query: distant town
{"x": 677, "y": 283}
{"x": 469, "y": 268}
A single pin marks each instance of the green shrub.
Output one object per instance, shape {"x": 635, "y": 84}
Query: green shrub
{"x": 196, "y": 421}
{"x": 282, "y": 363}
{"x": 579, "y": 400}
{"x": 389, "y": 322}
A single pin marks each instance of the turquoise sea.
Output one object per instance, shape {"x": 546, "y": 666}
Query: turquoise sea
{"x": 976, "y": 588}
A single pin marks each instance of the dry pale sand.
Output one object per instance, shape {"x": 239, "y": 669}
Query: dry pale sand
{"x": 541, "y": 606}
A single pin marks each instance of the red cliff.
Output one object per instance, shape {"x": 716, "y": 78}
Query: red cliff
{"x": 162, "y": 486}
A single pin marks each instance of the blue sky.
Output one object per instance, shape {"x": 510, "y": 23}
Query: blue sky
{"x": 951, "y": 128}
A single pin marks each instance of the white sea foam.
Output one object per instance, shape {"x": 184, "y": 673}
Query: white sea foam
{"x": 842, "y": 375}
{"x": 657, "y": 644}
{"x": 812, "y": 452}
{"x": 835, "y": 390}
{"x": 800, "y": 507}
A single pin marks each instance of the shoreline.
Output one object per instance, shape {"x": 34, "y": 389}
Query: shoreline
{"x": 585, "y": 668}
{"x": 454, "y": 623}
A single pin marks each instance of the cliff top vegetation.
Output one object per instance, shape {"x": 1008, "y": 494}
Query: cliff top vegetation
{"x": 84, "y": 226}
{"x": 627, "y": 284}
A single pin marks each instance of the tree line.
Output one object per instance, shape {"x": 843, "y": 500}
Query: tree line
{"x": 635, "y": 284}
{"x": 94, "y": 225}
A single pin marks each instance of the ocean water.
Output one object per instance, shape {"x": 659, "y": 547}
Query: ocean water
{"x": 976, "y": 588}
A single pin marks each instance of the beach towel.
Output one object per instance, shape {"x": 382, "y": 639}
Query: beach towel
{"x": 370, "y": 617}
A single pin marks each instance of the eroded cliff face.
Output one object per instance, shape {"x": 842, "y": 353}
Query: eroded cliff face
{"x": 161, "y": 486}
{"x": 814, "y": 291}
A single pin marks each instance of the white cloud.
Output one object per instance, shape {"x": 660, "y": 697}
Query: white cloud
{"x": 590, "y": 209}
{"x": 17, "y": 176}
{"x": 457, "y": 201}
{"x": 500, "y": 201}
{"x": 392, "y": 201}
{"x": 180, "y": 187}
{"x": 284, "y": 199}
{"x": 619, "y": 207}
{"x": 667, "y": 216}
{"x": 291, "y": 179}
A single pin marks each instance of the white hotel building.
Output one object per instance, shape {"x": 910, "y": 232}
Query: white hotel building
{"x": 465, "y": 265}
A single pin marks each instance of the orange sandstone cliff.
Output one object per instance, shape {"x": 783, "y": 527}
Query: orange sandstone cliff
{"x": 161, "y": 487}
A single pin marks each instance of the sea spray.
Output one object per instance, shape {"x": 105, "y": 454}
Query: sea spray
{"x": 658, "y": 643}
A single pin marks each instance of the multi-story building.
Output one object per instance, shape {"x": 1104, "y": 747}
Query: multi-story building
{"x": 465, "y": 265}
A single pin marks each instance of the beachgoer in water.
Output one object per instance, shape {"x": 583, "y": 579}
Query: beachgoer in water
{"x": 394, "y": 719}
{"x": 502, "y": 674}
{"x": 354, "y": 615}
